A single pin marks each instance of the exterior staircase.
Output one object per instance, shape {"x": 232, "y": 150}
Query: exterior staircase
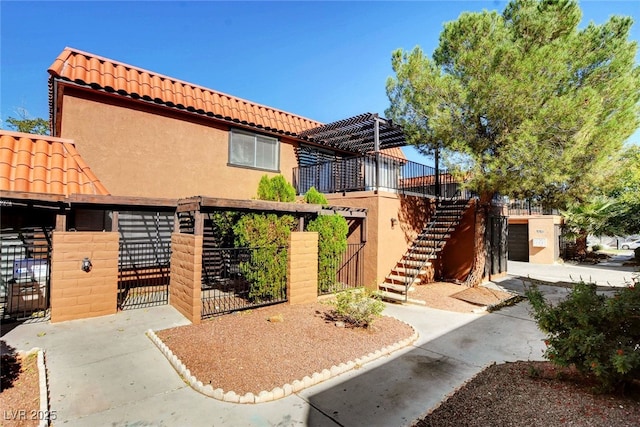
{"x": 416, "y": 262}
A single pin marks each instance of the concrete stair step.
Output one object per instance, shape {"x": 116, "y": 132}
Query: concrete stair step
{"x": 414, "y": 263}
{"x": 433, "y": 236}
{"x": 407, "y": 271}
{"x": 393, "y": 278}
{"x": 392, "y": 296}
{"x": 424, "y": 248}
{"x": 419, "y": 256}
{"x": 397, "y": 288}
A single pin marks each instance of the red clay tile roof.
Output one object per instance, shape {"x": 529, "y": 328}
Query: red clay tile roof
{"x": 105, "y": 74}
{"x": 43, "y": 164}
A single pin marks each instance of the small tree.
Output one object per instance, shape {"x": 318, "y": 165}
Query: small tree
{"x": 276, "y": 189}
{"x": 315, "y": 197}
{"x": 268, "y": 237}
{"x": 332, "y": 240}
{"x": 332, "y": 243}
{"x": 598, "y": 335}
{"x": 26, "y": 124}
{"x": 588, "y": 217}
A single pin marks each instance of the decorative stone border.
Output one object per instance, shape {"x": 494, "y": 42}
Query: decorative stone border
{"x": 44, "y": 389}
{"x": 43, "y": 413}
{"x": 278, "y": 392}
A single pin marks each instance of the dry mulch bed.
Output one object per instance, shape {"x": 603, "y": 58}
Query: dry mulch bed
{"x": 528, "y": 394}
{"x": 440, "y": 295}
{"x": 245, "y": 352}
{"x": 20, "y": 390}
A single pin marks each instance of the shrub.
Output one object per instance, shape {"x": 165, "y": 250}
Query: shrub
{"x": 266, "y": 270}
{"x": 276, "y": 189}
{"x": 357, "y": 307}
{"x": 315, "y": 197}
{"x": 599, "y": 335}
{"x": 596, "y": 247}
{"x": 332, "y": 243}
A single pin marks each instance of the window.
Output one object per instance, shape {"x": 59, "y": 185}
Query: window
{"x": 253, "y": 150}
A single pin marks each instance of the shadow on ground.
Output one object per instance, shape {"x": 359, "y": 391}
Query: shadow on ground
{"x": 404, "y": 388}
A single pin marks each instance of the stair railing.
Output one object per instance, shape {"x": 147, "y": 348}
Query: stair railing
{"x": 438, "y": 243}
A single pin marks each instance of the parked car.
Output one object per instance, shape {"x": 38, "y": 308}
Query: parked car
{"x": 631, "y": 245}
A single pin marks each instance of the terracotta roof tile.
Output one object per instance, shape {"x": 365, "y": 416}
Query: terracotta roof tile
{"x": 43, "y": 164}
{"x": 105, "y": 74}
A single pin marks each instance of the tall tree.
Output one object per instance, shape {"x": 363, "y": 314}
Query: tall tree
{"x": 532, "y": 104}
{"x": 624, "y": 187}
{"x": 26, "y": 124}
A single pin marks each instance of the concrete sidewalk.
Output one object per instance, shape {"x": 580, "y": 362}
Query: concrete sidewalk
{"x": 105, "y": 371}
{"x": 610, "y": 273}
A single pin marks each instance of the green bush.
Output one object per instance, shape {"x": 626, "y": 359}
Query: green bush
{"x": 266, "y": 270}
{"x": 276, "y": 189}
{"x": 332, "y": 243}
{"x": 357, "y": 307}
{"x": 596, "y": 247}
{"x": 599, "y": 335}
{"x": 315, "y": 197}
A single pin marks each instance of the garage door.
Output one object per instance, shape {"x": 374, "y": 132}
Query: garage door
{"x": 519, "y": 242}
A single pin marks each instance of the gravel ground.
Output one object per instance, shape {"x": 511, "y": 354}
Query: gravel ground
{"x": 245, "y": 352}
{"x": 20, "y": 393}
{"x": 533, "y": 394}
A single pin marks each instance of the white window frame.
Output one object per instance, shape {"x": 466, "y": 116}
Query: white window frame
{"x": 253, "y": 164}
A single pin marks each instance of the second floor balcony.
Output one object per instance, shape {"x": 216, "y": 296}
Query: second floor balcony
{"x": 377, "y": 172}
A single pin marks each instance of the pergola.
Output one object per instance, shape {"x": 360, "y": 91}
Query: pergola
{"x": 363, "y": 133}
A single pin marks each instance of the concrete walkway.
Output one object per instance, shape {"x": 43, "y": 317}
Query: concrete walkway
{"x": 105, "y": 371}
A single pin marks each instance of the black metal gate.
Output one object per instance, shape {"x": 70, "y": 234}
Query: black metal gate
{"x": 229, "y": 277}
{"x": 143, "y": 274}
{"x": 144, "y": 261}
{"x": 25, "y": 273}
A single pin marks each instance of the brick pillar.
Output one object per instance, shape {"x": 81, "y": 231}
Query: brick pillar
{"x": 186, "y": 275}
{"x": 302, "y": 265}
{"x": 77, "y": 294}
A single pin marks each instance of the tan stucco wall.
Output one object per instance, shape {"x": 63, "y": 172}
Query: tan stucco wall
{"x": 302, "y": 268}
{"x": 385, "y": 243}
{"x": 77, "y": 294}
{"x": 543, "y": 227}
{"x": 186, "y": 275}
{"x": 540, "y": 227}
{"x": 457, "y": 255}
{"x": 142, "y": 151}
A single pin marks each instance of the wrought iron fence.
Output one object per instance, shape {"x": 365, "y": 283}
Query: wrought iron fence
{"x": 143, "y": 274}
{"x": 239, "y": 278}
{"x": 25, "y": 268}
{"x": 349, "y": 272}
{"x": 377, "y": 172}
{"x": 529, "y": 207}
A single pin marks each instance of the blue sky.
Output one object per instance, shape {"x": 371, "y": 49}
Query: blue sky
{"x": 323, "y": 60}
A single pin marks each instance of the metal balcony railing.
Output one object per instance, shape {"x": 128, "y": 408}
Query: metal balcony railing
{"x": 377, "y": 172}
{"x": 529, "y": 207}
